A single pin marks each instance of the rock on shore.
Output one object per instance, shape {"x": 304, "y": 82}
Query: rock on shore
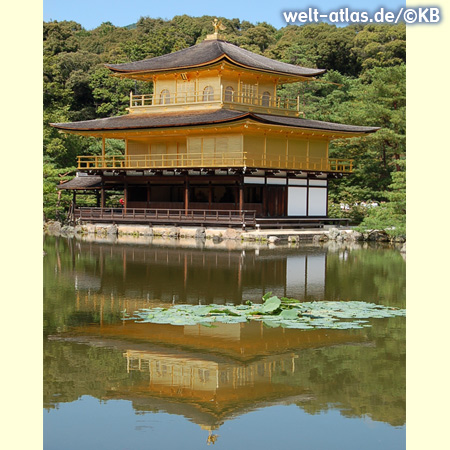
{"x": 335, "y": 234}
{"x": 218, "y": 234}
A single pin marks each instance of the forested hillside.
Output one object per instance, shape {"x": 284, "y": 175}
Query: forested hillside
{"x": 365, "y": 85}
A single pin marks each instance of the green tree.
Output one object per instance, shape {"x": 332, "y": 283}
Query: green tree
{"x": 380, "y": 46}
{"x": 60, "y": 37}
{"x": 111, "y": 95}
{"x": 56, "y": 202}
{"x": 318, "y": 45}
{"x": 376, "y": 99}
{"x": 257, "y": 38}
{"x": 390, "y": 216}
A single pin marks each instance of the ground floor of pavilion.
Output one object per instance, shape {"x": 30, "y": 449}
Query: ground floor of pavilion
{"x": 202, "y": 197}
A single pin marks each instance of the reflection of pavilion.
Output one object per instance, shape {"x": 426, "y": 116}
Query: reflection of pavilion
{"x": 242, "y": 341}
{"x": 217, "y": 387}
{"x": 190, "y": 275}
{"x": 210, "y": 375}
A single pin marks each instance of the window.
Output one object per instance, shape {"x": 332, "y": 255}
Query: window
{"x": 229, "y": 94}
{"x": 164, "y": 98}
{"x": 186, "y": 92}
{"x": 248, "y": 92}
{"x": 208, "y": 94}
{"x": 265, "y": 99}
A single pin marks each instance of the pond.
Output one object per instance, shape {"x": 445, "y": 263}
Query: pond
{"x": 119, "y": 384}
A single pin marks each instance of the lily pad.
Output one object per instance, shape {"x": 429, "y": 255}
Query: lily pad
{"x": 289, "y": 314}
{"x": 274, "y": 312}
{"x": 271, "y": 304}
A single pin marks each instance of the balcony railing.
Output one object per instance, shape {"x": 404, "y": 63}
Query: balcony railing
{"x": 164, "y": 215}
{"x": 202, "y": 160}
{"x": 228, "y": 98}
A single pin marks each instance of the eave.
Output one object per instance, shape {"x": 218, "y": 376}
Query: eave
{"x": 148, "y": 75}
{"x": 246, "y": 123}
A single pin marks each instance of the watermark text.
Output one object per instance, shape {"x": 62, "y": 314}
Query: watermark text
{"x": 347, "y": 16}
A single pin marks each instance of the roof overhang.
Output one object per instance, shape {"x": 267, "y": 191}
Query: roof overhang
{"x": 223, "y": 62}
{"x": 123, "y": 127}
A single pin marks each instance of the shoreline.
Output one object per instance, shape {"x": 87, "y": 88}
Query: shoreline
{"x": 272, "y": 237}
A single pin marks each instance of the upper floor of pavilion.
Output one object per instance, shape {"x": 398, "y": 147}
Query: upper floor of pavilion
{"x": 214, "y": 74}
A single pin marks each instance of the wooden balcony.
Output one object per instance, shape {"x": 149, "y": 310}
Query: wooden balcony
{"x": 200, "y": 100}
{"x": 202, "y": 160}
{"x": 167, "y": 216}
{"x": 203, "y": 217}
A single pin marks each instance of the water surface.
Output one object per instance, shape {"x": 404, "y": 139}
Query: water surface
{"x": 110, "y": 383}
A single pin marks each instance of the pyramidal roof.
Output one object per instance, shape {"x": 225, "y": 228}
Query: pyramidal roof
{"x": 212, "y": 51}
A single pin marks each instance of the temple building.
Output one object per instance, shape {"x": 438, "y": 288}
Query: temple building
{"x": 213, "y": 144}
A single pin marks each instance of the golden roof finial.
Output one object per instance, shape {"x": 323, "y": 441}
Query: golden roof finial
{"x": 218, "y": 25}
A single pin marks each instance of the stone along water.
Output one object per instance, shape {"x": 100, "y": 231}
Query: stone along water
{"x": 117, "y": 384}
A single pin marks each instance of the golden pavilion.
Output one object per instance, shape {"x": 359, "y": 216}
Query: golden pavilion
{"x": 213, "y": 144}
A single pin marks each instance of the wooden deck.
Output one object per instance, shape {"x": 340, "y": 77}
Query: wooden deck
{"x": 167, "y": 216}
{"x": 201, "y": 217}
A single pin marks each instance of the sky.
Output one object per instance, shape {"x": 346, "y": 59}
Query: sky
{"x": 92, "y": 13}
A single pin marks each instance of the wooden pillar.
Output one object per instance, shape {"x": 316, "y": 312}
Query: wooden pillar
{"x": 74, "y": 199}
{"x": 102, "y": 196}
{"x": 241, "y": 194}
{"x": 148, "y": 194}
{"x": 97, "y": 198}
{"x": 264, "y": 197}
{"x": 186, "y": 194}
{"x": 125, "y": 194}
